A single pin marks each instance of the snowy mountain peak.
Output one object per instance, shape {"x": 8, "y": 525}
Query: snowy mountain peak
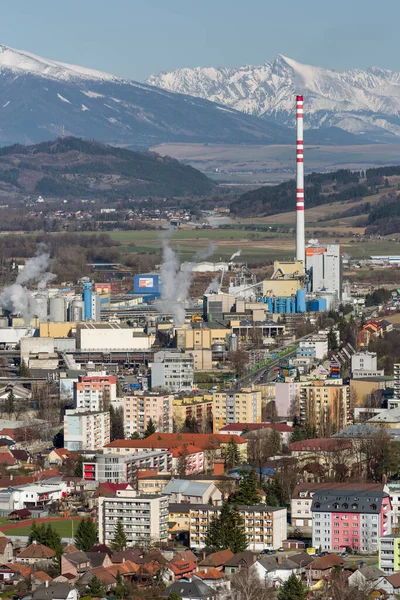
{"x": 358, "y": 101}
{"x": 21, "y": 61}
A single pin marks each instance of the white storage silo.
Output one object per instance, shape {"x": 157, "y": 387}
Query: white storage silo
{"x": 57, "y": 309}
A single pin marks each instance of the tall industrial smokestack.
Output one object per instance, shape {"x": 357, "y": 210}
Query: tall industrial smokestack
{"x": 300, "y": 240}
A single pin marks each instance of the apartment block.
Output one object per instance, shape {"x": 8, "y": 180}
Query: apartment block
{"x": 389, "y": 554}
{"x": 315, "y": 348}
{"x": 266, "y": 526}
{"x": 86, "y": 430}
{"x": 351, "y": 518}
{"x": 243, "y": 406}
{"x": 172, "y": 370}
{"x": 396, "y": 374}
{"x": 139, "y": 409}
{"x": 144, "y": 518}
{"x": 122, "y": 469}
{"x": 197, "y": 408}
{"x": 90, "y": 392}
{"x": 325, "y": 405}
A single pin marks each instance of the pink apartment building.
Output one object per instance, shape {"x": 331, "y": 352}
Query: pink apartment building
{"x": 139, "y": 409}
{"x": 350, "y": 518}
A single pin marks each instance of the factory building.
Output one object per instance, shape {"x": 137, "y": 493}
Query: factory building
{"x": 111, "y": 337}
{"x": 324, "y": 267}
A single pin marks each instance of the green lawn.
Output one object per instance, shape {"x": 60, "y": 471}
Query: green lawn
{"x": 63, "y": 527}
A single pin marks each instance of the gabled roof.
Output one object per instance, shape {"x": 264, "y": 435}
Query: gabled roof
{"x": 326, "y": 562}
{"x": 132, "y": 554}
{"x": 241, "y": 558}
{"x": 274, "y": 563}
{"x": 102, "y": 548}
{"x": 125, "y": 568}
{"x": 54, "y": 590}
{"x": 185, "y": 449}
{"x": 370, "y": 572}
{"x": 106, "y": 577}
{"x": 21, "y": 455}
{"x": 38, "y": 551}
{"x": 181, "y": 566}
{"x": 23, "y": 570}
{"x": 216, "y": 559}
{"x": 209, "y": 574}
{"x": 70, "y": 549}
{"x": 3, "y": 543}
{"x": 41, "y": 576}
{"x": 191, "y": 589}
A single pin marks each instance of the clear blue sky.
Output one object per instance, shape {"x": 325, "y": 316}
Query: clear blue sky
{"x": 134, "y": 38}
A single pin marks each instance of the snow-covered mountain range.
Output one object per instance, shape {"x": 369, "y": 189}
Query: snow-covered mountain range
{"x": 361, "y": 102}
{"x": 40, "y": 99}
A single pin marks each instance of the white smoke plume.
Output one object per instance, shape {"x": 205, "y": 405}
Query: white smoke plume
{"x": 175, "y": 285}
{"x": 16, "y": 298}
{"x": 206, "y": 252}
{"x": 213, "y": 286}
{"x": 235, "y": 254}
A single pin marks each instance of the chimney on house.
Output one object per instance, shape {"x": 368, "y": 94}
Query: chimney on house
{"x": 219, "y": 466}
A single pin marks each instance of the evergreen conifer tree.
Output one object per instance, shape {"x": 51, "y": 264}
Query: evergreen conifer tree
{"x": 150, "y": 429}
{"x": 247, "y": 493}
{"x": 95, "y": 588}
{"x": 292, "y": 589}
{"x": 86, "y": 534}
{"x": 119, "y": 542}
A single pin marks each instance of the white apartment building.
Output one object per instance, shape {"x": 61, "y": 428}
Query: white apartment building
{"x": 112, "y": 468}
{"x": 172, "y": 370}
{"x": 140, "y": 408}
{"x": 316, "y": 348}
{"x": 144, "y": 518}
{"x": 86, "y": 430}
{"x": 265, "y": 526}
{"x": 91, "y": 391}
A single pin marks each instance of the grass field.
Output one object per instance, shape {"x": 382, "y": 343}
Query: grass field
{"x": 65, "y": 527}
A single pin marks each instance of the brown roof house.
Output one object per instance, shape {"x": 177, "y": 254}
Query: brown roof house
{"x": 78, "y": 563}
{"x": 216, "y": 560}
{"x": 35, "y": 554}
{"x": 321, "y": 567}
{"x": 39, "y": 578}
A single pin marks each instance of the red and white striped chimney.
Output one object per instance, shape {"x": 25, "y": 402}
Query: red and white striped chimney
{"x": 300, "y": 239}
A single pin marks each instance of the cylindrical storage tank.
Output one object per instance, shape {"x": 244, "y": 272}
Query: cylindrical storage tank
{"x": 288, "y": 305}
{"x": 293, "y": 303}
{"x": 281, "y": 305}
{"x": 4, "y": 322}
{"x": 57, "y": 309}
{"x": 314, "y": 305}
{"x": 270, "y": 304}
{"x": 322, "y": 305}
{"x": 219, "y": 348}
{"x": 301, "y": 301}
{"x": 87, "y": 300}
{"x": 76, "y": 311}
{"x": 41, "y": 307}
{"x": 233, "y": 342}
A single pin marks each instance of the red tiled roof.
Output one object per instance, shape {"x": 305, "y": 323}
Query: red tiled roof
{"x": 321, "y": 444}
{"x": 3, "y": 543}
{"x": 182, "y": 566}
{"x": 325, "y": 562}
{"x": 185, "y": 449}
{"x": 104, "y": 575}
{"x": 36, "y": 551}
{"x": 47, "y": 474}
{"x": 41, "y": 576}
{"x": 394, "y": 580}
{"x": 143, "y": 473}
{"x": 210, "y": 574}
{"x": 16, "y": 480}
{"x": 240, "y": 427}
{"x": 205, "y": 441}
{"x": 62, "y": 452}
{"x": 70, "y": 548}
{"x": 123, "y": 568}
{"x": 216, "y": 559}
{"x": 22, "y": 569}
{"x": 7, "y": 459}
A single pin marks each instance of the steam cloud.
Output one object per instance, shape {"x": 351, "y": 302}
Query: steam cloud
{"x": 235, "y": 254}
{"x": 175, "y": 285}
{"x": 213, "y": 286}
{"x": 16, "y": 297}
{"x": 206, "y": 252}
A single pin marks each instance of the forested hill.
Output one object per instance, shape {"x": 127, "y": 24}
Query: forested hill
{"x": 320, "y": 188}
{"x": 74, "y": 168}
